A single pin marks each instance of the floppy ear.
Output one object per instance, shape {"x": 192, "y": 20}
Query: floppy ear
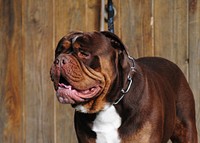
{"x": 115, "y": 40}
{"x": 66, "y": 42}
{"x": 117, "y": 44}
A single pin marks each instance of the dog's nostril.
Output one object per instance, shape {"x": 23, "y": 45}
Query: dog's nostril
{"x": 56, "y": 61}
{"x": 63, "y": 61}
{"x": 60, "y": 61}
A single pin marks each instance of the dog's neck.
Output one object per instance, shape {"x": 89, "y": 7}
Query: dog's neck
{"x": 129, "y": 80}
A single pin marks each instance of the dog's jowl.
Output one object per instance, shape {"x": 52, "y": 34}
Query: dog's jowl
{"x": 119, "y": 99}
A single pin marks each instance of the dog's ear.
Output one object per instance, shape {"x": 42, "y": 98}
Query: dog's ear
{"x": 66, "y": 42}
{"x": 73, "y": 35}
{"x": 115, "y": 40}
{"x": 118, "y": 44}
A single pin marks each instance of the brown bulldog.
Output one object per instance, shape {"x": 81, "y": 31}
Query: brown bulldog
{"x": 119, "y": 99}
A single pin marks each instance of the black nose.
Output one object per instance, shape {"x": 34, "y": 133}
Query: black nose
{"x": 60, "y": 61}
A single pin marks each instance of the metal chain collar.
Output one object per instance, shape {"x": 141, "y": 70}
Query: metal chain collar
{"x": 129, "y": 78}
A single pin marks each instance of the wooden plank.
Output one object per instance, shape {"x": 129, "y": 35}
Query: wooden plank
{"x": 72, "y": 16}
{"x": 136, "y": 28}
{"x": 171, "y": 32}
{"x": 147, "y": 28}
{"x": 69, "y": 16}
{"x": 39, "y": 98}
{"x": 93, "y": 8}
{"x": 28, "y": 109}
{"x": 180, "y": 32}
{"x": 11, "y": 72}
{"x": 131, "y": 26}
{"x": 194, "y": 55}
{"x": 163, "y": 28}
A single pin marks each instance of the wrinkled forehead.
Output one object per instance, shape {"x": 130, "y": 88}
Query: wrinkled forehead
{"x": 93, "y": 41}
{"x": 89, "y": 38}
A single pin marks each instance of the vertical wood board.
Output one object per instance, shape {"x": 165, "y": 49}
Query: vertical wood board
{"x": 69, "y": 16}
{"x": 11, "y": 72}
{"x": 38, "y": 101}
{"x": 30, "y": 31}
{"x": 194, "y": 55}
{"x": 136, "y": 28}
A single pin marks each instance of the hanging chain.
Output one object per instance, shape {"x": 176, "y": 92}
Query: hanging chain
{"x": 110, "y": 16}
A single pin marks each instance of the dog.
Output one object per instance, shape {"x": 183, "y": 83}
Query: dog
{"x": 119, "y": 99}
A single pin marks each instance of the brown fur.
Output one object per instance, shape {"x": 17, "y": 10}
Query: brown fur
{"x": 159, "y": 105}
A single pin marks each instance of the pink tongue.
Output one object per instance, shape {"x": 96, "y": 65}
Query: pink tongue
{"x": 68, "y": 95}
{"x": 65, "y": 86}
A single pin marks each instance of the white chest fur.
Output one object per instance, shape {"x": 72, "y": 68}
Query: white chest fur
{"x": 106, "y": 126}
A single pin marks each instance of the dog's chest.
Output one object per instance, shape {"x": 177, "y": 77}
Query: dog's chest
{"x": 106, "y": 126}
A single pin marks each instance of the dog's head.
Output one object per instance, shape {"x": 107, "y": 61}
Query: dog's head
{"x": 87, "y": 67}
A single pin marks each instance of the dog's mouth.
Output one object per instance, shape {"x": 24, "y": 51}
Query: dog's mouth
{"x": 68, "y": 94}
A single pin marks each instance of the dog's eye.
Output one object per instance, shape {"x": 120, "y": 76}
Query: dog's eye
{"x": 83, "y": 53}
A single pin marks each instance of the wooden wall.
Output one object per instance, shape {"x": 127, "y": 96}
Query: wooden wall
{"x": 30, "y": 30}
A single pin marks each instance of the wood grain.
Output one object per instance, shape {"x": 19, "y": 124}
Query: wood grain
{"x": 194, "y": 55}
{"x": 69, "y": 16}
{"x": 136, "y": 28}
{"x": 171, "y": 32}
{"x": 38, "y": 101}
{"x": 131, "y": 25}
{"x": 93, "y": 8}
{"x": 163, "y": 28}
{"x": 147, "y": 18}
{"x": 11, "y": 72}
{"x": 180, "y": 32}
{"x": 30, "y": 31}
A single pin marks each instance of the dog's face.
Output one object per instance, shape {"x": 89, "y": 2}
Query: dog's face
{"x": 85, "y": 68}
